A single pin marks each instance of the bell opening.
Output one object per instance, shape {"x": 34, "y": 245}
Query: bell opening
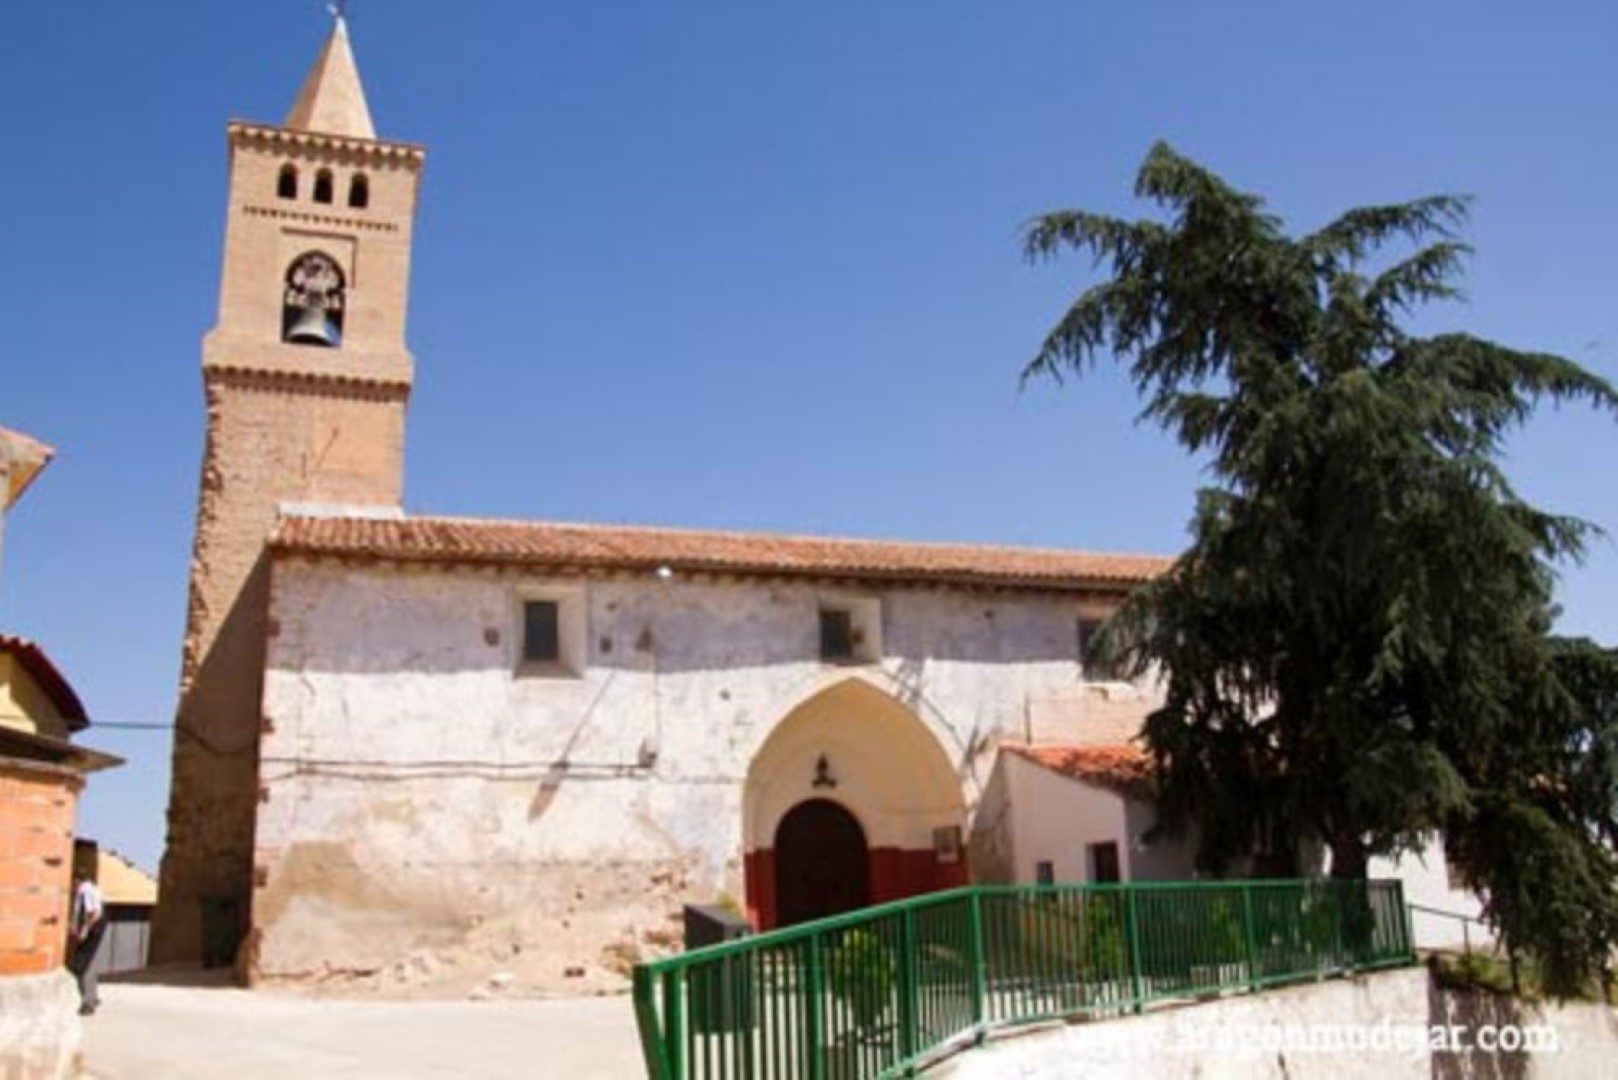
{"x": 312, "y": 307}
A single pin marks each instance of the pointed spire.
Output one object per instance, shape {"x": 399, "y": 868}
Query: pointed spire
{"x": 332, "y": 101}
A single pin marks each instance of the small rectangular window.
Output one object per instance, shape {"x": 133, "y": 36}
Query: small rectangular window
{"x": 541, "y": 631}
{"x": 1045, "y": 873}
{"x": 1104, "y": 867}
{"x": 836, "y": 634}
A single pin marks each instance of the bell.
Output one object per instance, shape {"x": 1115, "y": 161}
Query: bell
{"x": 314, "y": 326}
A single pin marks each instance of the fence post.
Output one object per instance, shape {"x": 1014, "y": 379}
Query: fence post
{"x": 1406, "y": 920}
{"x": 674, "y": 1005}
{"x": 909, "y": 1044}
{"x": 653, "y": 1039}
{"x": 1132, "y": 922}
{"x": 974, "y": 933}
{"x": 815, "y": 1021}
{"x": 1252, "y": 935}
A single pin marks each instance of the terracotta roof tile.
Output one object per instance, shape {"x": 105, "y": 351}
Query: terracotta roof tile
{"x": 1121, "y": 767}
{"x": 553, "y": 544}
{"x": 51, "y": 681}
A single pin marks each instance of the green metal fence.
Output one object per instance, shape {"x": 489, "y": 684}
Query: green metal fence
{"x": 875, "y": 992}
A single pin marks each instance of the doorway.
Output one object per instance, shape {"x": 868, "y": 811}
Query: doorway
{"x": 822, "y": 864}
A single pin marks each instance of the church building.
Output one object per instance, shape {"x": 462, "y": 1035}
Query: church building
{"x": 421, "y": 751}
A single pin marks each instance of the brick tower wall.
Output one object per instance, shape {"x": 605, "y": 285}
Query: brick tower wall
{"x": 268, "y": 442}
{"x": 286, "y": 423}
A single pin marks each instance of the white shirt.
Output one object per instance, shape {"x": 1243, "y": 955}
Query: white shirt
{"x": 86, "y": 905}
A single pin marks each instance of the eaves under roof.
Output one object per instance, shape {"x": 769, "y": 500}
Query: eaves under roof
{"x": 555, "y": 545}
{"x": 31, "y": 746}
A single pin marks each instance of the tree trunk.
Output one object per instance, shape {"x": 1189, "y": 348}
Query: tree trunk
{"x": 1349, "y": 858}
{"x": 1275, "y": 864}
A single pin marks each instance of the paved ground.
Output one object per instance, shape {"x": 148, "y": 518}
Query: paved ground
{"x": 148, "y": 1030}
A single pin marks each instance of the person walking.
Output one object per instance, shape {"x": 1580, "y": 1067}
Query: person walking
{"x": 88, "y": 924}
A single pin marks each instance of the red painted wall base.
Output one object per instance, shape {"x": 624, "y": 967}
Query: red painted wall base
{"x": 895, "y": 873}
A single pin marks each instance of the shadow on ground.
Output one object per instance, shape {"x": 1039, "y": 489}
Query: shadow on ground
{"x": 189, "y": 976}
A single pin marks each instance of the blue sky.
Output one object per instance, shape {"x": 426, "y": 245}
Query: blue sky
{"x": 743, "y": 264}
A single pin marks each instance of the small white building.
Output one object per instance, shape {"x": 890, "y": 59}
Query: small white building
{"x": 1065, "y": 813}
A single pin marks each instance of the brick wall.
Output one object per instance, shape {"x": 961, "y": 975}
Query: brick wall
{"x": 38, "y": 802}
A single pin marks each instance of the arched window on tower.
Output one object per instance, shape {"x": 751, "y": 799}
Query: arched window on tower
{"x": 359, "y": 192}
{"x": 312, "y": 304}
{"x": 286, "y": 184}
{"x": 323, "y": 186}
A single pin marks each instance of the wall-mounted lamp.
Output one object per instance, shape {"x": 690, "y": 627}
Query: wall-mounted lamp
{"x": 823, "y": 777}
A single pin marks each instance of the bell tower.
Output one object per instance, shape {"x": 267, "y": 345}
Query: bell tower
{"x": 307, "y": 377}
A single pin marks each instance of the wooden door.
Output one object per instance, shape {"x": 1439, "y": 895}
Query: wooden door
{"x": 822, "y": 865}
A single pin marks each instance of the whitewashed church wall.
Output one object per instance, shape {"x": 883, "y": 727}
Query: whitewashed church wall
{"x": 555, "y": 824}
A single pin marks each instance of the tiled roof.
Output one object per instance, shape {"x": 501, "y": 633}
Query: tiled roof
{"x": 51, "y": 681}
{"x": 550, "y": 544}
{"x": 1121, "y": 767}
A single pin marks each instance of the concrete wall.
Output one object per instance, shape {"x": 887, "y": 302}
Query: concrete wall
{"x": 40, "y": 1030}
{"x": 430, "y": 815}
{"x": 1394, "y": 1012}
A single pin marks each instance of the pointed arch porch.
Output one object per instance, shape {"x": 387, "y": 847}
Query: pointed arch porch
{"x": 854, "y": 744}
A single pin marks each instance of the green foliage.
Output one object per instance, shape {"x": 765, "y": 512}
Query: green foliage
{"x": 1225, "y": 938}
{"x": 1104, "y": 944}
{"x": 1355, "y": 643}
{"x": 1476, "y": 971}
{"x": 860, "y": 970}
{"x": 1543, "y": 827}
